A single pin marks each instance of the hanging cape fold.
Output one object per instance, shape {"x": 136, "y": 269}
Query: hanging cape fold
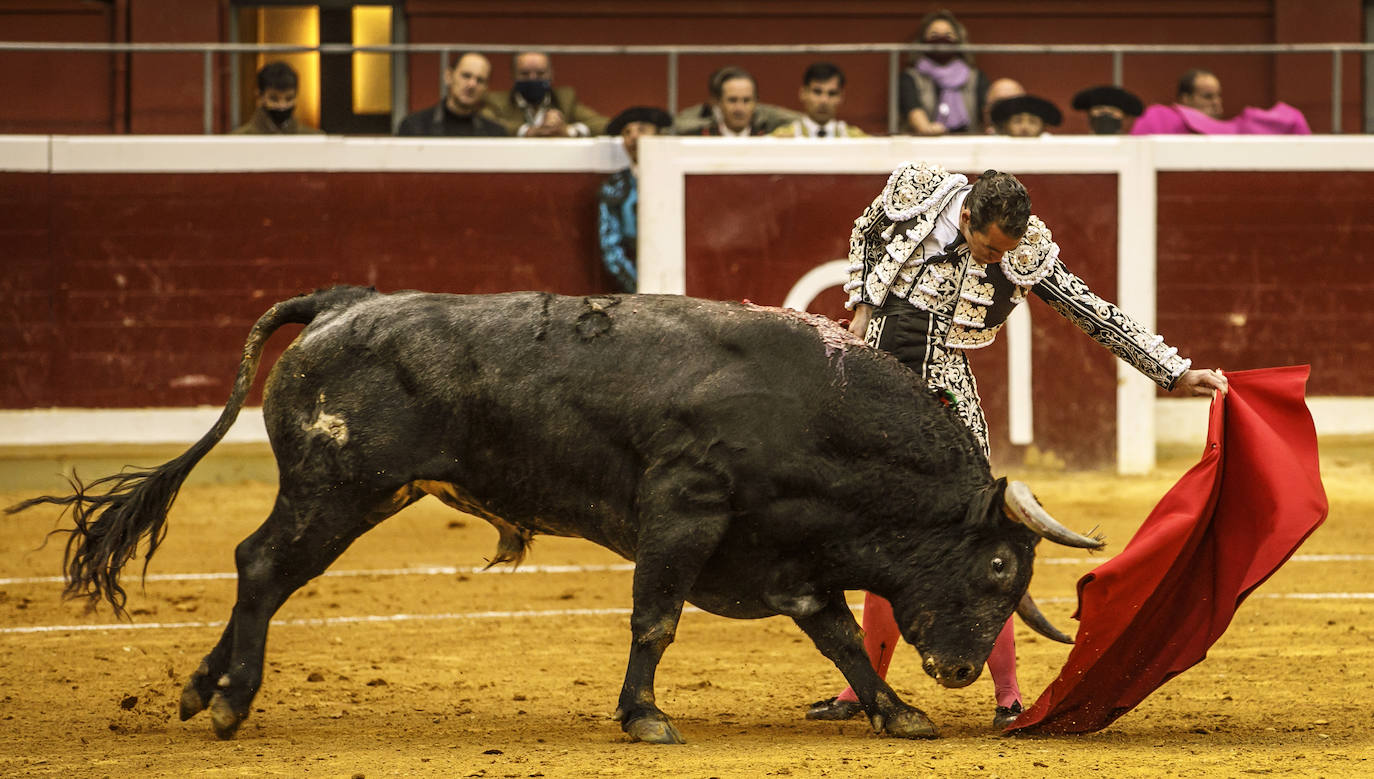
{"x": 1152, "y": 611}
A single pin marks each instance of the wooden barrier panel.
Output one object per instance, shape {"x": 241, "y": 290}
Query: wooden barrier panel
{"x": 135, "y": 267}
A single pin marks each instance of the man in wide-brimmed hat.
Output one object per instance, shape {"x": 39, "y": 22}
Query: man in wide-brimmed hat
{"x": 1107, "y": 107}
{"x": 618, "y": 199}
{"x": 1024, "y": 116}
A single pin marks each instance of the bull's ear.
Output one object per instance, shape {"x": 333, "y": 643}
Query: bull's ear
{"x": 986, "y": 502}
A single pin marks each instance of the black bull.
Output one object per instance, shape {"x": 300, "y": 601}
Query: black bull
{"x": 751, "y": 461}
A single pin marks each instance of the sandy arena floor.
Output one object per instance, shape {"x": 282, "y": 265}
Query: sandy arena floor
{"x": 455, "y": 673}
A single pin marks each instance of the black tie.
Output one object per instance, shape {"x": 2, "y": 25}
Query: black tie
{"x": 820, "y": 133}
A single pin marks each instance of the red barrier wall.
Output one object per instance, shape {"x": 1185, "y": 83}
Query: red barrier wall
{"x": 129, "y": 290}
{"x": 1263, "y": 269}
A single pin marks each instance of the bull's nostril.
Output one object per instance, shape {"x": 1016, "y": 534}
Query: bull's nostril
{"x": 963, "y": 673}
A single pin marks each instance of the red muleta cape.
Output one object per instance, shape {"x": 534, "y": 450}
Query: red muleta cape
{"x": 1152, "y": 611}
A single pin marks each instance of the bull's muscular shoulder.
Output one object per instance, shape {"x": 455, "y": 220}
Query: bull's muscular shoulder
{"x": 916, "y": 187}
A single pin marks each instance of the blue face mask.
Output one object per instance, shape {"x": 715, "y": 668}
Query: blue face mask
{"x": 534, "y": 90}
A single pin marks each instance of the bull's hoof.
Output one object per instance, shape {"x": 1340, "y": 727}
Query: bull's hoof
{"x": 834, "y": 709}
{"x": 908, "y": 723}
{"x": 223, "y": 717}
{"x": 193, "y": 701}
{"x": 652, "y": 730}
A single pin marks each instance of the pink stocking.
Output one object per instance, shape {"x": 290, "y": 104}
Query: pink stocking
{"x": 1002, "y": 666}
{"x": 880, "y": 639}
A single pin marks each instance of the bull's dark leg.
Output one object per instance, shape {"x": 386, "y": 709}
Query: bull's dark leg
{"x": 195, "y": 696}
{"x": 299, "y": 540}
{"x": 682, "y": 518}
{"x": 837, "y": 635}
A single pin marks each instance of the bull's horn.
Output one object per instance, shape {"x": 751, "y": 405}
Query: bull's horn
{"x": 1030, "y": 614}
{"x": 1022, "y": 507}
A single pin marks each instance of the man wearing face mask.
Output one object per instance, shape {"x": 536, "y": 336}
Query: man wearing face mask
{"x": 1107, "y": 107}
{"x": 535, "y": 108}
{"x": 276, "y": 108}
{"x": 943, "y": 92}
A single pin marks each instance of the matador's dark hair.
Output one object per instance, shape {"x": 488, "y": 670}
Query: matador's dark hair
{"x": 998, "y": 198}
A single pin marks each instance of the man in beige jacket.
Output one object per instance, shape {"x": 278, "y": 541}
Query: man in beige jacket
{"x": 535, "y": 108}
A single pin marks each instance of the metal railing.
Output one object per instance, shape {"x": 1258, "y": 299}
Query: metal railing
{"x": 894, "y": 52}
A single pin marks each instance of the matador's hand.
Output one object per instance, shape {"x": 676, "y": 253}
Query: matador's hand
{"x": 1201, "y": 382}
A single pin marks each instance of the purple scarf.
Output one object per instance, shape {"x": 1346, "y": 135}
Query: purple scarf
{"x": 950, "y": 78}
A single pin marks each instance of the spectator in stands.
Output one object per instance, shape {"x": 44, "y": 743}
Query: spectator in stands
{"x": 1107, "y": 107}
{"x": 821, "y": 94}
{"x": 535, "y": 108}
{"x": 1025, "y": 116}
{"x": 618, "y": 199}
{"x": 943, "y": 92}
{"x": 735, "y": 87}
{"x": 999, "y": 89}
{"x": 460, "y": 112}
{"x": 274, "y": 114}
{"x": 1198, "y": 110}
{"x": 1201, "y": 90}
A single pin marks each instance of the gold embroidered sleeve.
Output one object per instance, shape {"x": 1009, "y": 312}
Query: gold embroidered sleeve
{"x": 1111, "y": 327}
{"x": 867, "y": 248}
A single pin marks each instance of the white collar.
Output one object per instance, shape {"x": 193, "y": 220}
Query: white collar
{"x": 833, "y": 128}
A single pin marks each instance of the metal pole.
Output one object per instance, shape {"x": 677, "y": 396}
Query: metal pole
{"x": 400, "y": 72}
{"x": 894, "y": 63}
{"x": 672, "y": 82}
{"x": 1336, "y": 92}
{"x": 443, "y": 70}
{"x": 1118, "y": 65}
{"x": 208, "y": 78}
{"x": 234, "y": 110}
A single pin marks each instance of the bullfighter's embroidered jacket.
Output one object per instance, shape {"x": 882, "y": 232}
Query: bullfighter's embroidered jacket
{"x": 969, "y": 302}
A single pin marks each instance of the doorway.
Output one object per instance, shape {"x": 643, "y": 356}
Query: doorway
{"x": 358, "y": 93}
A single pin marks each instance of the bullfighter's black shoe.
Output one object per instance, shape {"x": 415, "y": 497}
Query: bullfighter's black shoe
{"x": 1006, "y": 715}
{"x": 834, "y": 709}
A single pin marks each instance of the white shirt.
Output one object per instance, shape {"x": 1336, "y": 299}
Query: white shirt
{"x": 806, "y": 127}
{"x": 946, "y": 227}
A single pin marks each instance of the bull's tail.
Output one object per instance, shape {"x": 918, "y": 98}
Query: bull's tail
{"x": 114, "y": 513}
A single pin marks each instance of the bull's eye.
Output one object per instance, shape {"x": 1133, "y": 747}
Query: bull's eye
{"x": 998, "y": 565}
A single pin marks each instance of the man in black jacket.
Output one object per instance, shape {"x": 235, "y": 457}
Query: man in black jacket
{"x": 460, "y": 112}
